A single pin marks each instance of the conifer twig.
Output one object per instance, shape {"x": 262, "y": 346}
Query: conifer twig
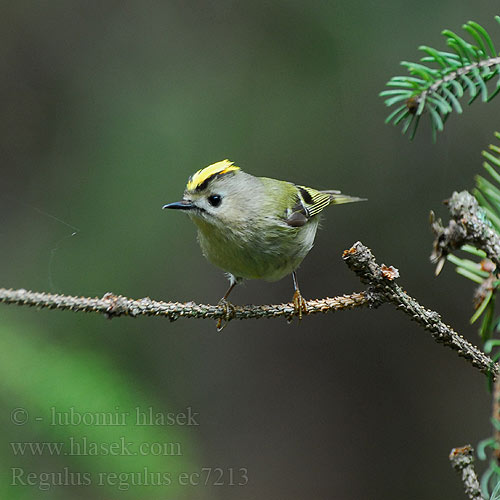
{"x": 383, "y": 288}
{"x": 380, "y": 279}
{"x": 116, "y": 305}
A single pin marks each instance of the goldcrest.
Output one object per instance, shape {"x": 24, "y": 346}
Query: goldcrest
{"x": 254, "y": 227}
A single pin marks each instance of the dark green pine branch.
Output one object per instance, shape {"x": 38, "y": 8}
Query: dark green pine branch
{"x": 438, "y": 83}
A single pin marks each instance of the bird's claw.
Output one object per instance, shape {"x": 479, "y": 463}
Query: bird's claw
{"x": 228, "y": 314}
{"x": 299, "y": 304}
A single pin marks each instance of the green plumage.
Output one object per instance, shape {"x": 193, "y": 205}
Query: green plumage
{"x": 255, "y": 227}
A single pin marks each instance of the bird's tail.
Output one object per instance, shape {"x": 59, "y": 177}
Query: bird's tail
{"x": 337, "y": 198}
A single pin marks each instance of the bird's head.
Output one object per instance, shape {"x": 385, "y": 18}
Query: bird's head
{"x": 218, "y": 194}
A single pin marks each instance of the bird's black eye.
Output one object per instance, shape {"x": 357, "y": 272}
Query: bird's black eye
{"x": 215, "y": 200}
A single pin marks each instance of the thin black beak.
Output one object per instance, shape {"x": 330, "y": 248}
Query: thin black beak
{"x": 180, "y": 205}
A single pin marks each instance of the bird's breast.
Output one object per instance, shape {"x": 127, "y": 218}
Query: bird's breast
{"x": 264, "y": 250}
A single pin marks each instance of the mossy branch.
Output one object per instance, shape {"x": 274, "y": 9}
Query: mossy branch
{"x": 468, "y": 225}
{"x": 462, "y": 460}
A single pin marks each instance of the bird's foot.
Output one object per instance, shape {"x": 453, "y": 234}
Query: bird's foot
{"x": 299, "y": 304}
{"x": 229, "y": 311}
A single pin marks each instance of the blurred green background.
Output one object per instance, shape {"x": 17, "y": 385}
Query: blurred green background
{"x": 107, "y": 108}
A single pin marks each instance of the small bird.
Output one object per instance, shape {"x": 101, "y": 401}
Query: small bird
{"x": 254, "y": 227}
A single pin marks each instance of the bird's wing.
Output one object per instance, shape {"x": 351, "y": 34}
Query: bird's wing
{"x": 311, "y": 202}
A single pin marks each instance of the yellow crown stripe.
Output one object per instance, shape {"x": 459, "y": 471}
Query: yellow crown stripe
{"x": 203, "y": 175}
